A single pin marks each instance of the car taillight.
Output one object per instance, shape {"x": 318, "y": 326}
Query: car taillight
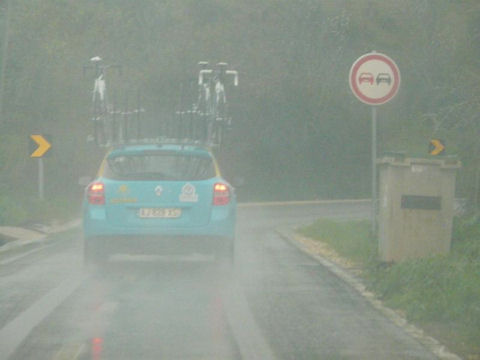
{"x": 96, "y": 193}
{"x": 221, "y": 194}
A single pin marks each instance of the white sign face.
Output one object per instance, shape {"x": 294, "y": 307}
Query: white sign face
{"x": 374, "y": 78}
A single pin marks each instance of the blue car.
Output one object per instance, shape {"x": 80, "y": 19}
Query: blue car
{"x": 163, "y": 198}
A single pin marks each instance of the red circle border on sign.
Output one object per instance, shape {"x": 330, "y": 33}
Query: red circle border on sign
{"x": 353, "y": 84}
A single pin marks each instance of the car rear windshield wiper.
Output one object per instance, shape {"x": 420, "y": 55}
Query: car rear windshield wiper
{"x": 147, "y": 176}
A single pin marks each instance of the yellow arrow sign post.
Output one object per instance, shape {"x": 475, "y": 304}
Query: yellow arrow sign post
{"x": 43, "y": 145}
{"x": 436, "y": 147}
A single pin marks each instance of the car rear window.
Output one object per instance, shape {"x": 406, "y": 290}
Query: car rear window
{"x": 168, "y": 166}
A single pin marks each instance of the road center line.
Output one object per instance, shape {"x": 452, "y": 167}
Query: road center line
{"x": 12, "y": 334}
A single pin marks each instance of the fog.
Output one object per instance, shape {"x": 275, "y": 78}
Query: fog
{"x": 89, "y": 74}
{"x": 298, "y": 132}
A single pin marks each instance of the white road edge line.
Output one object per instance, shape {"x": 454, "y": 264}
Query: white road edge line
{"x": 247, "y": 334}
{"x": 19, "y": 242}
{"x": 79, "y": 351}
{"x": 428, "y": 342}
{"x": 18, "y": 257}
{"x": 17, "y": 330}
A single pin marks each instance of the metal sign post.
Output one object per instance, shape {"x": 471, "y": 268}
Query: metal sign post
{"x": 41, "y": 179}
{"x": 374, "y": 170}
{"x": 374, "y": 79}
{"x": 39, "y": 147}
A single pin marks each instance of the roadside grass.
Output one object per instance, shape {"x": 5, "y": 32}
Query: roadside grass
{"x": 349, "y": 239}
{"x": 19, "y": 210}
{"x": 439, "y": 293}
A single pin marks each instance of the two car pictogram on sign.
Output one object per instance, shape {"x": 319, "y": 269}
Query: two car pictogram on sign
{"x": 367, "y": 77}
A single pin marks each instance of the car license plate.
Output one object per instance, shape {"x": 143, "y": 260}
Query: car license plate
{"x": 165, "y": 213}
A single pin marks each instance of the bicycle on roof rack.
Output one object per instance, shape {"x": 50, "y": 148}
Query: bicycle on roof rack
{"x": 209, "y": 118}
{"x": 110, "y": 124}
{"x": 205, "y": 123}
{"x": 212, "y": 103}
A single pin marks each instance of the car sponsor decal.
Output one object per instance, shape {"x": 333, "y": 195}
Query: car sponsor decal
{"x": 123, "y": 189}
{"x": 159, "y": 190}
{"x": 188, "y": 193}
{"x": 217, "y": 169}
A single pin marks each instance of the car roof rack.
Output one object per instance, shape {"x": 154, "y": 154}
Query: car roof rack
{"x": 164, "y": 141}
{"x": 204, "y": 124}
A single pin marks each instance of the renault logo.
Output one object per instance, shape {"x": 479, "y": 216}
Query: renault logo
{"x": 159, "y": 190}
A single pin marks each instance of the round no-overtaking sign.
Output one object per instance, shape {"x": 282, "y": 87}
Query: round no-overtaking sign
{"x": 374, "y": 78}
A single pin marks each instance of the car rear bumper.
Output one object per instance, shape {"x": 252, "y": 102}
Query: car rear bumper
{"x": 161, "y": 245}
{"x": 221, "y": 224}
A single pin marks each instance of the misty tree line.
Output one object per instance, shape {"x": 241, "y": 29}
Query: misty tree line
{"x": 298, "y": 134}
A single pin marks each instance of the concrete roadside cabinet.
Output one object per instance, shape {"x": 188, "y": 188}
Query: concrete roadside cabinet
{"x": 415, "y": 207}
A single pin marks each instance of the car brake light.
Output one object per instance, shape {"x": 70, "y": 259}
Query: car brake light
{"x": 96, "y": 193}
{"x": 221, "y": 194}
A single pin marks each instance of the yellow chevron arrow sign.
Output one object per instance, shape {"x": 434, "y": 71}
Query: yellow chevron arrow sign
{"x": 42, "y": 146}
{"x": 436, "y": 147}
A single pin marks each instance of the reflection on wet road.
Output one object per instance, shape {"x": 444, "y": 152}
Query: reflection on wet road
{"x": 277, "y": 303}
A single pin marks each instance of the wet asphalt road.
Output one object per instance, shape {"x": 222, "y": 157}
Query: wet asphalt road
{"x": 277, "y": 304}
